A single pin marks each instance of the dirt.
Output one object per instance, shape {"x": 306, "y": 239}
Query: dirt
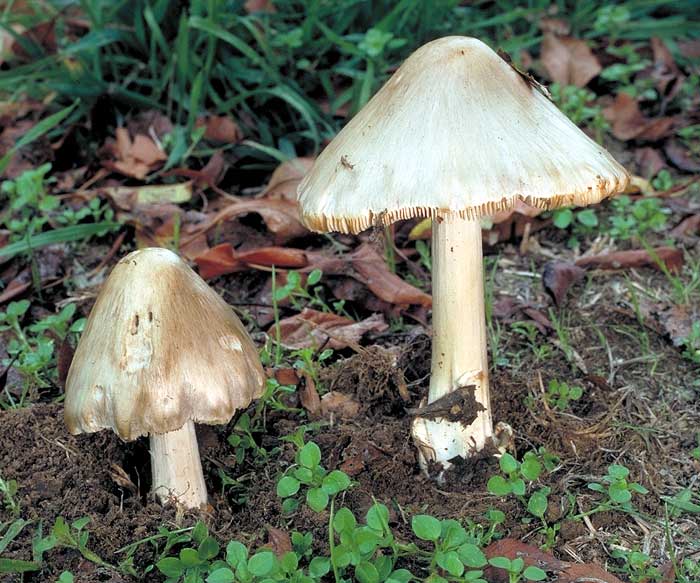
{"x": 107, "y": 480}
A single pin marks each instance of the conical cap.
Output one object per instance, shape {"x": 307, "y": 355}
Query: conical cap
{"x": 455, "y": 131}
{"x": 160, "y": 348}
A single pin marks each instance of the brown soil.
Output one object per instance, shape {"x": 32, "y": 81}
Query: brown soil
{"x": 100, "y": 477}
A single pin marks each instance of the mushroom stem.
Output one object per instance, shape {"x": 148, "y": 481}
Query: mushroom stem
{"x": 459, "y": 359}
{"x": 177, "y": 468}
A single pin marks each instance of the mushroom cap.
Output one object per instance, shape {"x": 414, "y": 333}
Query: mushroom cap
{"x": 160, "y": 348}
{"x": 456, "y": 131}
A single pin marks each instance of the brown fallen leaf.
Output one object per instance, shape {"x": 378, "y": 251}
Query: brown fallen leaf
{"x": 252, "y": 6}
{"x": 135, "y": 158}
{"x": 678, "y": 322}
{"x": 340, "y": 405}
{"x": 285, "y": 175}
{"x": 628, "y": 122}
{"x": 308, "y": 395}
{"x": 286, "y": 376}
{"x": 371, "y": 269}
{"x": 666, "y": 74}
{"x": 559, "y": 571}
{"x": 224, "y": 259}
{"x": 220, "y": 128}
{"x": 280, "y": 216}
{"x": 649, "y": 162}
{"x": 568, "y": 61}
{"x": 558, "y": 277}
{"x": 681, "y": 156}
{"x": 670, "y": 256}
{"x": 687, "y": 226}
{"x": 279, "y": 541}
{"x": 312, "y": 328}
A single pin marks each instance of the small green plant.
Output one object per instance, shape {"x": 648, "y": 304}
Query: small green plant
{"x": 514, "y": 475}
{"x": 310, "y": 476}
{"x": 202, "y": 563}
{"x": 303, "y": 291}
{"x": 616, "y": 489}
{"x": 583, "y": 223}
{"x": 31, "y": 349}
{"x": 578, "y": 103}
{"x": 454, "y": 554}
{"x": 636, "y": 219}
{"x": 691, "y": 343}
{"x": 517, "y": 571}
{"x": 559, "y": 394}
{"x": 637, "y": 566}
{"x": 30, "y": 208}
{"x": 529, "y": 332}
{"x": 8, "y": 489}
{"x": 662, "y": 181}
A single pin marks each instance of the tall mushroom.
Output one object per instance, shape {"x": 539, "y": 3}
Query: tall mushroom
{"x": 455, "y": 134}
{"x": 161, "y": 351}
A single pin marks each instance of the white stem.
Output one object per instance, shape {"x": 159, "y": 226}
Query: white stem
{"x": 459, "y": 341}
{"x": 177, "y": 468}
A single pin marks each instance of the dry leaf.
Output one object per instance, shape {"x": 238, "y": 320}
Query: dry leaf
{"x": 135, "y": 158}
{"x": 681, "y": 156}
{"x": 220, "y": 128}
{"x": 568, "y": 61}
{"x": 629, "y": 123}
{"x": 688, "y": 225}
{"x": 671, "y": 257}
{"x": 533, "y": 556}
{"x": 279, "y": 541}
{"x": 649, "y": 161}
{"x": 371, "y": 269}
{"x": 312, "y": 328}
{"x": 224, "y": 259}
{"x": 558, "y": 277}
{"x": 127, "y": 197}
{"x": 340, "y": 405}
{"x": 287, "y": 172}
{"x": 308, "y": 395}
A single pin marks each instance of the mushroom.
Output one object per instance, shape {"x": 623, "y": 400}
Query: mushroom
{"x": 161, "y": 350}
{"x": 456, "y": 134}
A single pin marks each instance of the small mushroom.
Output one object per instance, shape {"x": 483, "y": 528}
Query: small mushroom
{"x": 455, "y": 134}
{"x": 161, "y": 350}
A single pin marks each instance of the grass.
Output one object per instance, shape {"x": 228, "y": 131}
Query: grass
{"x": 283, "y": 74}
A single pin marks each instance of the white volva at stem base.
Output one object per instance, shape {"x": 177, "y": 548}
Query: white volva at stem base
{"x": 177, "y": 468}
{"x": 459, "y": 341}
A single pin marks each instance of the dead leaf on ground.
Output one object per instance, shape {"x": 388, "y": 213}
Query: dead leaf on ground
{"x": 280, "y": 216}
{"x": 562, "y": 571}
{"x": 628, "y": 122}
{"x": 224, "y": 259}
{"x": 568, "y": 61}
{"x": 558, "y": 277}
{"x": 308, "y": 395}
{"x": 135, "y": 158}
{"x": 312, "y": 329}
{"x": 252, "y": 6}
{"x": 681, "y": 157}
{"x": 649, "y": 162}
{"x": 340, "y": 405}
{"x": 286, "y": 376}
{"x": 127, "y": 197}
{"x": 670, "y": 256}
{"x": 220, "y": 128}
{"x": 687, "y": 226}
{"x": 666, "y": 74}
{"x": 286, "y": 178}
{"x": 279, "y": 541}
{"x": 371, "y": 269}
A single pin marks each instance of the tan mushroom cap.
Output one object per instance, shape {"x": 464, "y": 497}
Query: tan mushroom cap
{"x": 456, "y": 131}
{"x": 160, "y": 348}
